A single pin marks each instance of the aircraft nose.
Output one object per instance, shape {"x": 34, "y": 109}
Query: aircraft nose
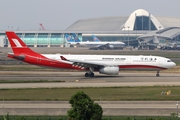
{"x": 174, "y": 64}
{"x": 171, "y": 64}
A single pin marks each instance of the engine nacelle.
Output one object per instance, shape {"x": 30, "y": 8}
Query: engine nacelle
{"x": 109, "y": 70}
{"x": 111, "y": 46}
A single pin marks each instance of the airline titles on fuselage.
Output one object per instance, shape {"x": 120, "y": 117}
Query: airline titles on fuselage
{"x": 123, "y": 59}
{"x": 113, "y": 59}
{"x": 148, "y": 59}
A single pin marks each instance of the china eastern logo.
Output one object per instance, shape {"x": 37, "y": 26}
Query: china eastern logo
{"x": 16, "y": 42}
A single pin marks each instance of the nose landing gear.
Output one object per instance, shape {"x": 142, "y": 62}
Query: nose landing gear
{"x": 157, "y": 75}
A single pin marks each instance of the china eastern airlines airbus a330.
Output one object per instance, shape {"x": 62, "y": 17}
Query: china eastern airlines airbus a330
{"x": 104, "y": 64}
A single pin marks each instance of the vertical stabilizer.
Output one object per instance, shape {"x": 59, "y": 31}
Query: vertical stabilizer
{"x": 17, "y": 45}
{"x": 76, "y": 39}
{"x": 95, "y": 38}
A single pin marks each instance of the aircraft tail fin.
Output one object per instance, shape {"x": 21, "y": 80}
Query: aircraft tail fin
{"x": 17, "y": 45}
{"x": 95, "y": 38}
{"x": 68, "y": 38}
{"x": 76, "y": 39}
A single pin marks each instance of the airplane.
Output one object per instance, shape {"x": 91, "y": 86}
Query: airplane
{"x": 104, "y": 64}
{"x": 97, "y": 44}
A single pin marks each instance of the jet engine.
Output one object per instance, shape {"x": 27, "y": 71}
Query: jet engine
{"x": 111, "y": 46}
{"x": 109, "y": 70}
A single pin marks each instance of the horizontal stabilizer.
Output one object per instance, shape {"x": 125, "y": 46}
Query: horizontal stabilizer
{"x": 18, "y": 57}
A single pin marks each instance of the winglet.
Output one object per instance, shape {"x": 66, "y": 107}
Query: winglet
{"x": 63, "y": 58}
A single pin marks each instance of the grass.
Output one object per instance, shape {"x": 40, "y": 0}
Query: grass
{"x": 103, "y": 118}
{"x": 99, "y": 94}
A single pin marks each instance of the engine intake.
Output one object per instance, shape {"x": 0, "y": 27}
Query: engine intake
{"x": 109, "y": 70}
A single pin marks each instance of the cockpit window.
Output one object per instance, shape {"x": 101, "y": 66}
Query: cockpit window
{"x": 169, "y": 61}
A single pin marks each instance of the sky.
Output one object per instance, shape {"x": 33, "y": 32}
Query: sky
{"x": 60, "y": 14}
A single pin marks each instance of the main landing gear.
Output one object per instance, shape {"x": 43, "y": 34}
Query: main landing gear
{"x": 89, "y": 74}
{"x": 157, "y": 75}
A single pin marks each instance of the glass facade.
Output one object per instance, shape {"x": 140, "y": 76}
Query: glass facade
{"x": 144, "y": 23}
{"x": 43, "y": 39}
{"x": 19, "y": 35}
{"x": 176, "y": 38}
{"x": 29, "y": 38}
{"x": 56, "y": 39}
{"x": 80, "y": 37}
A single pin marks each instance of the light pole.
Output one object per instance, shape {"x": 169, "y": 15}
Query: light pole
{"x": 128, "y": 36}
{"x": 124, "y": 32}
{"x": 159, "y": 31}
{"x": 159, "y": 34}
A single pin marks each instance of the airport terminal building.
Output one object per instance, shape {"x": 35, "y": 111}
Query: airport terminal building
{"x": 139, "y": 29}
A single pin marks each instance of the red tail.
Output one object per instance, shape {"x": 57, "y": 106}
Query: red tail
{"x": 17, "y": 45}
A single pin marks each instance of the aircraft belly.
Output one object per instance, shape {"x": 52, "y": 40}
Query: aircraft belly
{"x": 141, "y": 67}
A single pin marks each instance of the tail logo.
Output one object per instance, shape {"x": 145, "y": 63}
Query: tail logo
{"x": 16, "y": 42}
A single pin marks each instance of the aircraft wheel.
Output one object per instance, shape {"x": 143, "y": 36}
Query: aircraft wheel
{"x": 157, "y": 75}
{"x": 86, "y": 75}
{"x": 91, "y": 74}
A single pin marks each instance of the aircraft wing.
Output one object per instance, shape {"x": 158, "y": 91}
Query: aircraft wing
{"x": 101, "y": 46}
{"x": 98, "y": 45}
{"x": 83, "y": 63}
{"x": 105, "y": 44}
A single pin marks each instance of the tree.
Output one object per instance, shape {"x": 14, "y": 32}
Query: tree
{"x": 97, "y": 112}
{"x": 83, "y": 108}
